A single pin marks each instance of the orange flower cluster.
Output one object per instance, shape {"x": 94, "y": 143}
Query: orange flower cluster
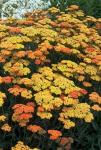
{"x": 7, "y": 79}
{"x": 17, "y": 90}
{"x": 14, "y": 29}
{"x": 54, "y": 134}
{"x": 34, "y": 128}
{"x": 22, "y": 113}
{"x": 95, "y": 97}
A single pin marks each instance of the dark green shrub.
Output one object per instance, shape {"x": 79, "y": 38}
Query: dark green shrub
{"x": 90, "y": 7}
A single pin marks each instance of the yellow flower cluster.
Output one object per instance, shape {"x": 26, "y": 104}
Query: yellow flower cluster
{"x": 46, "y": 86}
{"x": 21, "y": 146}
{"x": 55, "y": 90}
{"x": 17, "y": 39}
{"x": 70, "y": 101}
{"x": 3, "y": 34}
{"x": 25, "y": 81}
{"x": 10, "y": 46}
{"x": 3, "y": 27}
{"x": 2, "y": 118}
{"x": 13, "y": 42}
{"x": 47, "y": 72}
{"x": 44, "y": 32}
{"x": 47, "y": 101}
{"x": 93, "y": 72}
{"x": 74, "y": 70}
{"x": 53, "y": 10}
{"x": 29, "y": 31}
{"x": 2, "y": 98}
{"x": 26, "y": 94}
{"x": 39, "y": 82}
{"x": 80, "y": 110}
{"x": 17, "y": 68}
{"x": 6, "y": 127}
{"x": 67, "y": 67}
{"x": 44, "y": 115}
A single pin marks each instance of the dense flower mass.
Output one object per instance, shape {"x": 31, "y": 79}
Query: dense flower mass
{"x": 50, "y": 75}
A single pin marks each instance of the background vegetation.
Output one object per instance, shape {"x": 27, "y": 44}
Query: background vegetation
{"x": 90, "y": 7}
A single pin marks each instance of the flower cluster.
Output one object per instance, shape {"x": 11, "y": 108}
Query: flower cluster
{"x": 95, "y": 97}
{"x": 20, "y": 146}
{"x": 17, "y": 90}
{"x": 6, "y": 128}
{"x": 2, "y": 98}
{"x": 22, "y": 113}
{"x": 34, "y": 128}
{"x": 2, "y": 118}
{"x": 81, "y": 111}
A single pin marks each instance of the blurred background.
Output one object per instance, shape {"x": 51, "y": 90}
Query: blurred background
{"x": 17, "y": 8}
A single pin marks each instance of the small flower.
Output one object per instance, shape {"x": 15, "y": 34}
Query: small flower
{"x": 66, "y": 140}
{"x": 54, "y": 134}
{"x": 34, "y": 128}
{"x": 6, "y": 128}
{"x": 2, "y": 118}
{"x": 7, "y": 79}
{"x": 96, "y": 107}
{"x": 87, "y": 84}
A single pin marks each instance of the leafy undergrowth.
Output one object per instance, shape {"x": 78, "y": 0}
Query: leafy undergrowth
{"x": 50, "y": 81}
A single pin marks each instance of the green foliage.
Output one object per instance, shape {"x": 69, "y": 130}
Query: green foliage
{"x": 90, "y": 7}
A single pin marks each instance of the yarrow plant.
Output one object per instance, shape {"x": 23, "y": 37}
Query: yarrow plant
{"x": 50, "y": 75}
